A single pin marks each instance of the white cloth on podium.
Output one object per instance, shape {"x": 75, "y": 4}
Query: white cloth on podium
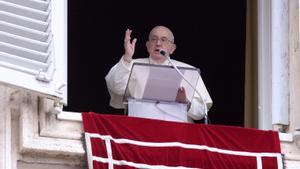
{"x": 158, "y": 110}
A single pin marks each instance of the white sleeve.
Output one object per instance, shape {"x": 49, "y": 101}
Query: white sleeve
{"x": 197, "y": 109}
{"x": 116, "y": 81}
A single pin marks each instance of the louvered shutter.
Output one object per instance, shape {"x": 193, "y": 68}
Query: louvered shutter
{"x": 33, "y": 45}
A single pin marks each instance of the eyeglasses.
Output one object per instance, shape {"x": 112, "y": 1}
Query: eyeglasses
{"x": 163, "y": 40}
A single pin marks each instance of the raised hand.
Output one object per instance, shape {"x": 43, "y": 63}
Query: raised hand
{"x": 129, "y": 46}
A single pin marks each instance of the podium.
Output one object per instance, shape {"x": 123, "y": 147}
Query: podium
{"x": 151, "y": 91}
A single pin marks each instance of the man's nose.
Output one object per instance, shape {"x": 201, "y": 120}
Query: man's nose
{"x": 158, "y": 42}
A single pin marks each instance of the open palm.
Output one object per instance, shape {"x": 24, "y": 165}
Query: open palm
{"x": 128, "y": 45}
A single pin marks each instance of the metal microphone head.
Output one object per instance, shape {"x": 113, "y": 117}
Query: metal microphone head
{"x": 162, "y": 52}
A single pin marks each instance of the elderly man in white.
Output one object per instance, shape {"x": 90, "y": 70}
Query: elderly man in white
{"x": 160, "y": 38}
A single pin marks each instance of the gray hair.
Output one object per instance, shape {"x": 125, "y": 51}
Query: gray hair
{"x": 172, "y": 39}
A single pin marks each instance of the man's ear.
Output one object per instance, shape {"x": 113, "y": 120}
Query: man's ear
{"x": 147, "y": 45}
{"x": 173, "y": 48}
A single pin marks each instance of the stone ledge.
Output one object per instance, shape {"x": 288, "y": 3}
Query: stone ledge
{"x": 44, "y": 138}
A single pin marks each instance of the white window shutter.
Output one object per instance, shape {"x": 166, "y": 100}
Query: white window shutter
{"x": 33, "y": 46}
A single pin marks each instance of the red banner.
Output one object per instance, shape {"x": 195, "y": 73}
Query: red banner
{"x": 127, "y": 142}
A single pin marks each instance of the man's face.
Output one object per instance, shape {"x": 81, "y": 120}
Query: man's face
{"x": 160, "y": 38}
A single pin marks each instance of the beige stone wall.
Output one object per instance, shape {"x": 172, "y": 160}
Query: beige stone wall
{"x": 291, "y": 148}
{"x": 31, "y": 136}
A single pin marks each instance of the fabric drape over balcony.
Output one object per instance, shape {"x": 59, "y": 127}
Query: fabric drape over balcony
{"x": 127, "y": 142}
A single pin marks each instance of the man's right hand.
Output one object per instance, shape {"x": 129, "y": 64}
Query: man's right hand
{"x": 181, "y": 95}
{"x": 129, "y": 46}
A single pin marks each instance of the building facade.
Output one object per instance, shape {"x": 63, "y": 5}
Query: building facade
{"x": 35, "y": 133}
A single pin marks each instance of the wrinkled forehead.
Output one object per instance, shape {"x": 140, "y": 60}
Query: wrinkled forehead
{"x": 161, "y": 31}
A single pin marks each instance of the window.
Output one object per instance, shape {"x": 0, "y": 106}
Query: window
{"x": 33, "y": 46}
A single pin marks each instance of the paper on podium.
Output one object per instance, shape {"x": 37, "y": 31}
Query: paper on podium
{"x": 159, "y": 82}
{"x": 162, "y": 84}
{"x": 152, "y": 84}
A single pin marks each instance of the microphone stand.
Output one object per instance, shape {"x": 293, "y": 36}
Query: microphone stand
{"x": 162, "y": 52}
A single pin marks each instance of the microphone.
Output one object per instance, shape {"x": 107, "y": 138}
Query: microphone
{"x": 164, "y": 53}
